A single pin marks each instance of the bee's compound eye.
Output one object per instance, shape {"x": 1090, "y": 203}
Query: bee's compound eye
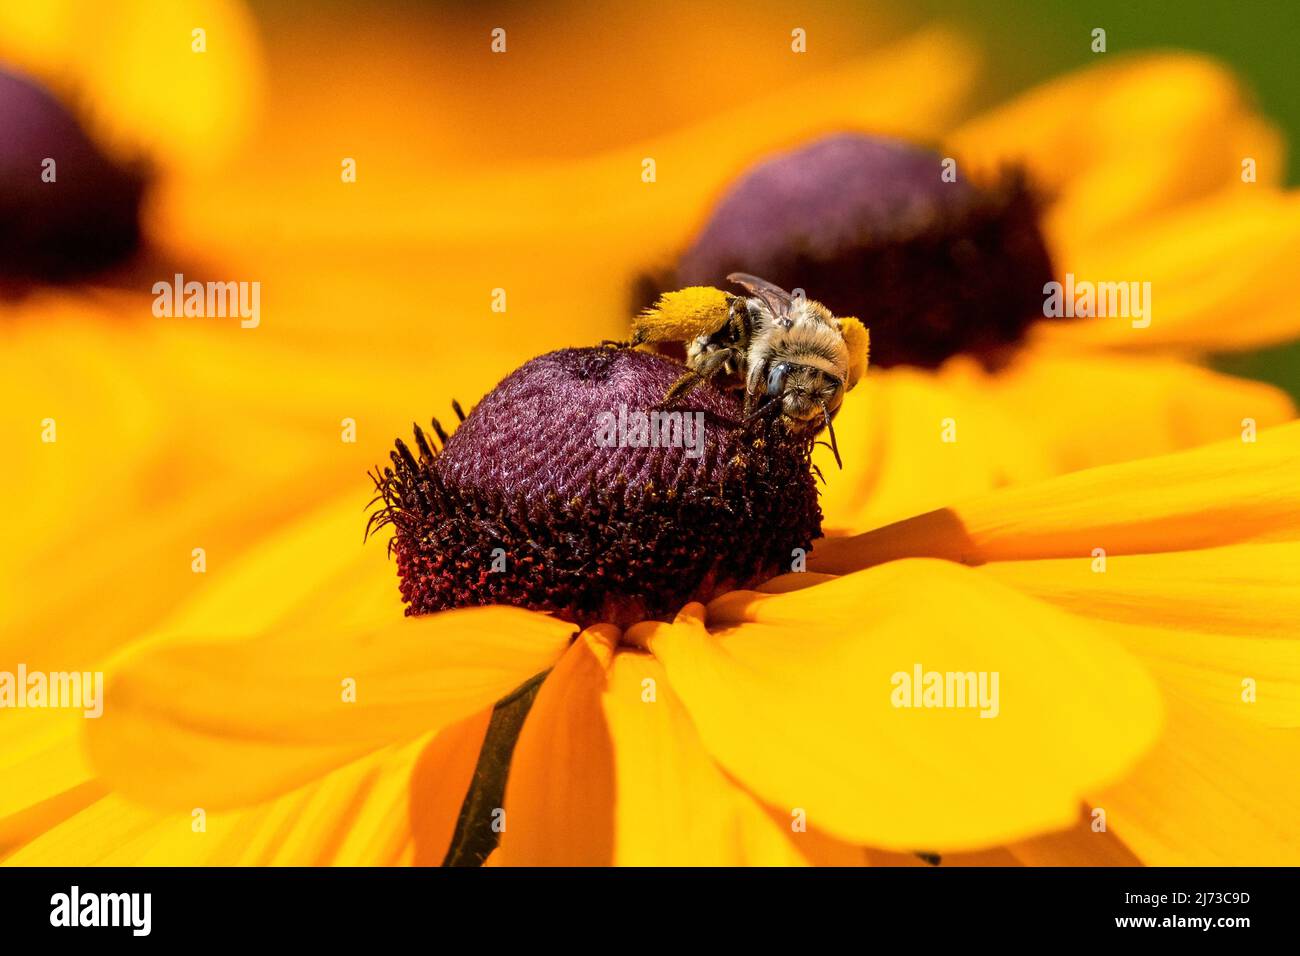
{"x": 776, "y": 378}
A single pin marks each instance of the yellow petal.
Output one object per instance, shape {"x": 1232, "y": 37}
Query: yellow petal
{"x": 315, "y": 572}
{"x": 1204, "y": 621}
{"x": 1078, "y": 845}
{"x": 1230, "y": 492}
{"x": 1249, "y": 678}
{"x": 1086, "y": 843}
{"x": 45, "y": 773}
{"x": 1093, "y": 409}
{"x": 912, "y": 441}
{"x": 396, "y": 806}
{"x": 1242, "y": 590}
{"x": 221, "y": 723}
{"x": 550, "y": 201}
{"x": 560, "y": 796}
{"x": 1215, "y": 791}
{"x": 609, "y": 769}
{"x": 1217, "y": 272}
{"x": 437, "y": 789}
{"x": 109, "y": 831}
{"x": 1143, "y": 134}
{"x": 793, "y": 695}
{"x": 153, "y": 459}
{"x": 675, "y": 806}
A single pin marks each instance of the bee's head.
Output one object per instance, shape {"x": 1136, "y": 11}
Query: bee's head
{"x": 809, "y": 396}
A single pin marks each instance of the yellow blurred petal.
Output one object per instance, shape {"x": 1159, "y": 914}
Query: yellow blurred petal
{"x": 914, "y": 441}
{"x": 893, "y": 433}
{"x": 220, "y": 723}
{"x": 397, "y": 806}
{"x": 1118, "y": 142}
{"x": 791, "y": 693}
{"x": 1226, "y": 493}
{"x": 1215, "y": 791}
{"x": 560, "y": 795}
{"x": 45, "y": 773}
{"x": 156, "y": 454}
{"x": 1091, "y": 409}
{"x": 76, "y": 389}
{"x": 110, "y": 831}
{"x": 1218, "y": 272}
{"x": 134, "y": 66}
{"x": 370, "y": 243}
{"x": 316, "y": 572}
{"x": 540, "y": 201}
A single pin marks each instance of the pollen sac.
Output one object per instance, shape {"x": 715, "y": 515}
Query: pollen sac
{"x": 566, "y": 490}
{"x": 871, "y": 227}
{"x": 66, "y": 209}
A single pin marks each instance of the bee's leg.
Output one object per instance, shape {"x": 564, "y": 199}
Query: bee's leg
{"x": 704, "y": 370}
{"x": 682, "y": 387}
{"x": 611, "y": 344}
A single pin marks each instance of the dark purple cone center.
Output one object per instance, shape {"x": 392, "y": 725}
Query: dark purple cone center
{"x": 64, "y": 220}
{"x": 550, "y": 496}
{"x": 869, "y": 227}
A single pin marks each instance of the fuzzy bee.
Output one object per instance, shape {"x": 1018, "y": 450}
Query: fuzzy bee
{"x": 785, "y": 351}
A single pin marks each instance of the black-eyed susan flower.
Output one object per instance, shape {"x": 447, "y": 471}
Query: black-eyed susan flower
{"x": 195, "y": 438}
{"x": 314, "y": 722}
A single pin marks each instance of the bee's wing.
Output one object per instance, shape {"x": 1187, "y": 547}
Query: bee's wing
{"x": 858, "y": 340}
{"x": 773, "y": 296}
{"x": 682, "y": 316}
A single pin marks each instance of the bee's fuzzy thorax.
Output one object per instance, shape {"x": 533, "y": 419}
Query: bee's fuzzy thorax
{"x": 934, "y": 268}
{"x": 524, "y": 506}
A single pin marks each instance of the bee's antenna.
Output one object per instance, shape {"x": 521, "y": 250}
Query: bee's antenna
{"x": 835, "y": 448}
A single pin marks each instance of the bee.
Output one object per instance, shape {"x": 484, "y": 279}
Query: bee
{"x": 785, "y": 351}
